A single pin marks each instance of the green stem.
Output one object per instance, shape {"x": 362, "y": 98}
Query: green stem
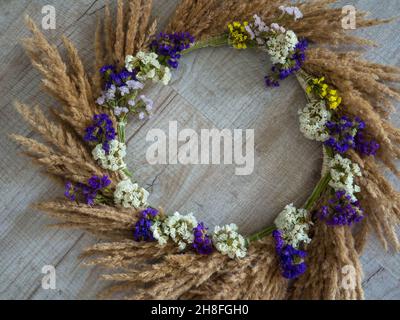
{"x": 211, "y": 42}
{"x": 121, "y": 131}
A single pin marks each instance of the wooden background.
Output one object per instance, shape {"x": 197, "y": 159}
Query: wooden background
{"x": 214, "y": 88}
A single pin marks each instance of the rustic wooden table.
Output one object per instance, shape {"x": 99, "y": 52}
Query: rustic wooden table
{"x": 214, "y": 88}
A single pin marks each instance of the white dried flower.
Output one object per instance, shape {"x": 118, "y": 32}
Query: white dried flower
{"x": 313, "y": 119}
{"x": 130, "y": 195}
{"x": 148, "y": 66}
{"x": 114, "y": 160}
{"x": 295, "y": 225}
{"x": 229, "y": 242}
{"x": 178, "y": 227}
{"x": 343, "y": 171}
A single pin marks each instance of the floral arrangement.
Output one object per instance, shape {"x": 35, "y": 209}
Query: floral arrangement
{"x": 189, "y": 261}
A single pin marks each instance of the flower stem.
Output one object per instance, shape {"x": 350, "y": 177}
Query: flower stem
{"x": 261, "y": 234}
{"x": 217, "y": 41}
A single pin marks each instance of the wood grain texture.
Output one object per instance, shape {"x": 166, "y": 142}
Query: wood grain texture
{"x": 214, "y": 88}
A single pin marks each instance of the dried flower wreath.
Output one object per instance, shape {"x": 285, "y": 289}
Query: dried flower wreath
{"x": 349, "y": 100}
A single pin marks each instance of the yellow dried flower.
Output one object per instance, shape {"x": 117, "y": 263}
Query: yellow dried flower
{"x": 238, "y": 35}
{"x": 322, "y": 90}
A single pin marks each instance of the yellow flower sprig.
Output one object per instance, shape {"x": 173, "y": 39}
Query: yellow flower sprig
{"x": 238, "y": 36}
{"x": 323, "y": 91}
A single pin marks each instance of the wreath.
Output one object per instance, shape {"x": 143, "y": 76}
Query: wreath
{"x": 151, "y": 254}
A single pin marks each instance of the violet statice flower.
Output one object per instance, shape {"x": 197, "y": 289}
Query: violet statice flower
{"x": 102, "y": 131}
{"x": 202, "y": 242}
{"x": 70, "y": 191}
{"x": 170, "y": 46}
{"x": 142, "y": 231}
{"x": 294, "y": 64}
{"x": 342, "y": 133}
{"x": 341, "y": 210}
{"x": 88, "y": 191}
{"x": 290, "y": 259}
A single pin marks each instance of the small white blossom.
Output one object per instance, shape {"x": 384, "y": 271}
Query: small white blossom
{"x": 178, "y": 227}
{"x": 313, "y": 119}
{"x": 141, "y": 116}
{"x": 132, "y": 102}
{"x": 124, "y": 90}
{"x": 280, "y": 46}
{"x": 294, "y": 224}
{"x": 343, "y": 172}
{"x": 130, "y": 195}
{"x": 277, "y": 27}
{"x": 229, "y": 242}
{"x": 148, "y": 102}
{"x": 114, "y": 160}
{"x": 134, "y": 85}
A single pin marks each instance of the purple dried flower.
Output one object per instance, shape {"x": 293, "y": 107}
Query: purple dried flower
{"x": 142, "y": 230}
{"x": 294, "y": 64}
{"x": 102, "y": 131}
{"x": 341, "y": 210}
{"x": 290, "y": 259}
{"x": 348, "y": 134}
{"x": 202, "y": 242}
{"x": 169, "y": 47}
{"x": 364, "y": 146}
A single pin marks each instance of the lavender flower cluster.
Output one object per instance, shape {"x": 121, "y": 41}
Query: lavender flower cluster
{"x": 290, "y": 259}
{"x": 101, "y": 131}
{"x": 170, "y": 46}
{"x": 121, "y": 93}
{"x": 202, "y": 242}
{"x": 89, "y": 191}
{"x": 345, "y": 134}
{"x": 293, "y": 64}
{"x": 341, "y": 210}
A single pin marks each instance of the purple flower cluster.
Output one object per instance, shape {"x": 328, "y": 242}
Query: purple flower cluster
{"x": 296, "y": 60}
{"x": 142, "y": 230}
{"x": 341, "y": 210}
{"x": 169, "y": 47}
{"x": 101, "y": 131}
{"x": 112, "y": 77}
{"x": 88, "y": 191}
{"x": 346, "y": 133}
{"x": 291, "y": 259}
{"x": 202, "y": 242}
